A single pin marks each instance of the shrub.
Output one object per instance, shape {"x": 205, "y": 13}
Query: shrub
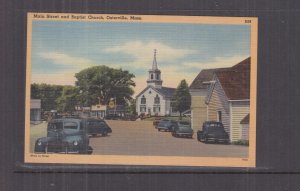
{"x": 241, "y": 142}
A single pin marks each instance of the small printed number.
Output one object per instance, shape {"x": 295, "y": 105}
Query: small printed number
{"x": 247, "y": 21}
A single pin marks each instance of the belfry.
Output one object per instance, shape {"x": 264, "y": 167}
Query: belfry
{"x": 154, "y": 77}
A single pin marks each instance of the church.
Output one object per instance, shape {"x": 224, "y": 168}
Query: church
{"x": 155, "y": 99}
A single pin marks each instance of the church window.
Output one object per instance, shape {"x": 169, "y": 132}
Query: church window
{"x": 143, "y": 109}
{"x": 143, "y": 100}
{"x": 156, "y": 100}
{"x": 151, "y": 76}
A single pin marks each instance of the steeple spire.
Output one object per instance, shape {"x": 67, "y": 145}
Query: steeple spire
{"x": 154, "y": 78}
{"x": 154, "y": 64}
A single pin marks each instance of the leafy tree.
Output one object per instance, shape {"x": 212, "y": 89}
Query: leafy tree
{"x": 68, "y": 100}
{"x": 131, "y": 107}
{"x": 47, "y": 93}
{"x": 181, "y": 100}
{"x": 101, "y": 83}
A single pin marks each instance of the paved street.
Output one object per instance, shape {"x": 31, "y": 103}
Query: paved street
{"x": 141, "y": 138}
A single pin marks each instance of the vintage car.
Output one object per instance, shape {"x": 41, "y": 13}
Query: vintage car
{"x": 165, "y": 125}
{"x": 97, "y": 126}
{"x": 182, "y": 129}
{"x": 213, "y": 131}
{"x": 65, "y": 135}
{"x": 156, "y": 121}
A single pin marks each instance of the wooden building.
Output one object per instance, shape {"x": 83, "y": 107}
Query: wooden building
{"x": 228, "y": 98}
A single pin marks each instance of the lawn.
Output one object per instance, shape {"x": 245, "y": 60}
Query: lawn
{"x": 37, "y": 131}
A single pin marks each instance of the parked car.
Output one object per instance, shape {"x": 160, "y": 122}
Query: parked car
{"x": 64, "y": 135}
{"x": 97, "y": 126}
{"x": 113, "y": 117}
{"x": 182, "y": 129}
{"x": 166, "y": 125}
{"x": 213, "y": 131}
{"x": 156, "y": 121}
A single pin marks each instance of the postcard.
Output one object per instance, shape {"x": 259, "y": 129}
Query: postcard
{"x": 141, "y": 90}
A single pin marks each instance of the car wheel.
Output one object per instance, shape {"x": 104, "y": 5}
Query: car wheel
{"x": 46, "y": 149}
{"x": 66, "y": 149}
{"x": 104, "y": 134}
{"x": 158, "y": 129}
{"x": 205, "y": 140}
{"x": 94, "y": 135}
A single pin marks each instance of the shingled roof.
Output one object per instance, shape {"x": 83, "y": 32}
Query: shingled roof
{"x": 236, "y": 81}
{"x": 204, "y": 76}
{"x": 245, "y": 120}
{"x": 166, "y": 91}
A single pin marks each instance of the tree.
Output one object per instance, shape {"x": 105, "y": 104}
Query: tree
{"x": 181, "y": 100}
{"x": 68, "y": 100}
{"x": 131, "y": 107}
{"x": 47, "y": 94}
{"x": 101, "y": 83}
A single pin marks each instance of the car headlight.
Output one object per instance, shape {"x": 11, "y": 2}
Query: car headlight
{"x": 39, "y": 143}
{"x": 75, "y": 143}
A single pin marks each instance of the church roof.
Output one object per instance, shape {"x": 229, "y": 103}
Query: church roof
{"x": 164, "y": 91}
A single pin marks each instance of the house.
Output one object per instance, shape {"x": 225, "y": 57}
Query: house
{"x": 98, "y": 111}
{"x": 245, "y": 128}
{"x": 155, "y": 99}
{"x": 35, "y": 110}
{"x": 199, "y": 90}
{"x": 228, "y": 98}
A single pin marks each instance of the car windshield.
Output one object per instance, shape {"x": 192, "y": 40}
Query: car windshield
{"x": 55, "y": 126}
{"x": 215, "y": 129}
{"x": 70, "y": 125}
{"x": 163, "y": 123}
{"x": 95, "y": 123}
{"x": 184, "y": 123}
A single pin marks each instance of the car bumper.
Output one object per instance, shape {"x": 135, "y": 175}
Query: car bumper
{"x": 217, "y": 139}
{"x": 44, "y": 148}
{"x": 164, "y": 128}
{"x": 183, "y": 134}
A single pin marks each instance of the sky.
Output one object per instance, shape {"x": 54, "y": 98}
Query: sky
{"x": 62, "y": 48}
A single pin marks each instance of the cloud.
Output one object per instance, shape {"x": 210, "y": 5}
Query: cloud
{"x": 65, "y": 59}
{"x": 143, "y": 52}
{"x": 54, "y": 78}
{"x": 218, "y": 62}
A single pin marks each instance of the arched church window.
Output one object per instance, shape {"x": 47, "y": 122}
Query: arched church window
{"x": 143, "y": 100}
{"x": 151, "y": 76}
{"x": 156, "y": 100}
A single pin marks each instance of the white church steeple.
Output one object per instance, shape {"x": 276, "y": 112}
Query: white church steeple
{"x": 154, "y": 78}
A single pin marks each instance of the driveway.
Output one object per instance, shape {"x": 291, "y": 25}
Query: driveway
{"x": 141, "y": 138}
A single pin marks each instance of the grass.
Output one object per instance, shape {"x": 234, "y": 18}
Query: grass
{"x": 241, "y": 142}
{"x": 37, "y": 131}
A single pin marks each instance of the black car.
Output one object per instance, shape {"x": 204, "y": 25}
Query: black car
{"x": 182, "y": 129}
{"x": 65, "y": 135}
{"x": 97, "y": 126}
{"x": 112, "y": 117}
{"x": 166, "y": 125}
{"x": 213, "y": 131}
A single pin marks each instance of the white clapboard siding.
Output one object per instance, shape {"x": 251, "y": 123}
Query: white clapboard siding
{"x": 239, "y": 110}
{"x": 245, "y": 131}
{"x": 218, "y": 102}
